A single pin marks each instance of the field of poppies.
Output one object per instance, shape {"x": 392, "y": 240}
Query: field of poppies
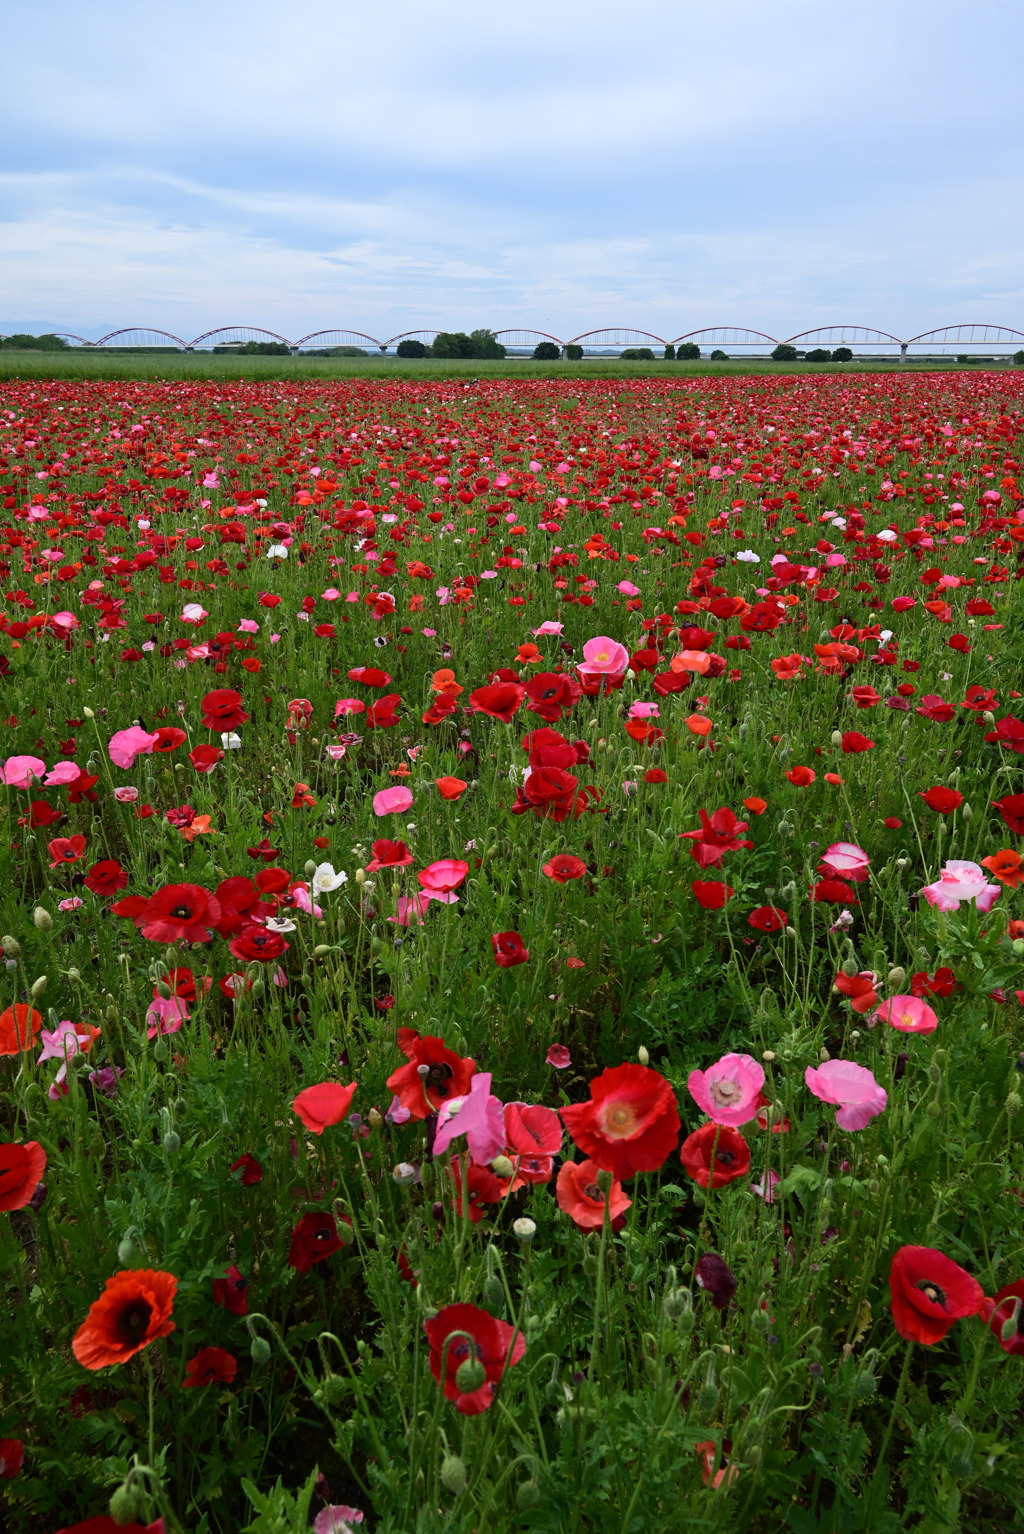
{"x": 514, "y": 955}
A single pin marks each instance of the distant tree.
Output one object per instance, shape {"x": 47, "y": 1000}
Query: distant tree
{"x": 546, "y": 351}
{"x": 688, "y": 352}
{"x": 819, "y": 354}
{"x": 637, "y": 354}
{"x": 1018, "y": 359}
{"x": 410, "y": 348}
{"x": 44, "y": 343}
{"x": 784, "y": 353}
{"x": 842, "y": 354}
{"x": 717, "y": 356}
{"x": 265, "y": 349}
{"x": 574, "y": 353}
{"x": 480, "y": 345}
{"x": 670, "y": 353}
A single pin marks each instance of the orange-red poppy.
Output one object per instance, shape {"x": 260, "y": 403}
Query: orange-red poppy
{"x": 450, "y": 788}
{"x": 133, "y": 1310}
{"x": 18, "y": 1028}
{"x": 1007, "y": 866}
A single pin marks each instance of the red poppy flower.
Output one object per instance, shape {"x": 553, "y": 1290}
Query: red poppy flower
{"x": 859, "y": 989}
{"x": 509, "y": 949}
{"x": 369, "y": 676}
{"x": 1007, "y": 866}
{"x": 482, "y": 1187}
{"x": 801, "y": 777}
{"x": 104, "y": 1524}
{"x": 210, "y": 1366}
{"x": 18, "y": 1028}
{"x": 222, "y": 710}
{"x": 755, "y": 805}
{"x": 314, "y": 1238}
{"x": 550, "y": 693}
{"x": 655, "y": 775}
{"x": 833, "y": 892}
{"x": 252, "y": 1172}
{"x": 66, "y": 849}
{"x": 21, "y": 1169}
{"x": 446, "y": 1074}
{"x": 1008, "y": 732}
{"x": 259, "y": 944}
{"x": 389, "y": 855}
{"x": 854, "y": 741}
{"x": 716, "y": 1278}
{"x": 204, "y": 758}
{"x": 133, "y": 1310}
{"x": 498, "y": 701}
{"x": 231, "y": 1291}
{"x": 450, "y": 788}
{"x": 1007, "y": 1313}
{"x": 325, "y": 1104}
{"x": 381, "y": 715}
{"x": 578, "y": 1195}
{"x": 463, "y": 1341}
{"x": 942, "y": 983}
{"x": 712, "y": 894}
{"x": 169, "y": 738}
{"x": 180, "y": 913}
{"x": 106, "y": 878}
{"x": 12, "y": 1457}
{"x": 631, "y": 1122}
{"x": 929, "y": 1293}
{"x": 564, "y": 867}
{"x": 943, "y": 800}
{"x": 715, "y": 1154}
{"x": 1011, "y": 807}
{"x": 41, "y": 814}
{"x": 767, "y": 918}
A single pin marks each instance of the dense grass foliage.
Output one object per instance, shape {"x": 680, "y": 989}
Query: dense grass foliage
{"x": 635, "y": 764}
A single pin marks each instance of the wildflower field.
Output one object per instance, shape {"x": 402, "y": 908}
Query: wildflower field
{"x": 513, "y": 933}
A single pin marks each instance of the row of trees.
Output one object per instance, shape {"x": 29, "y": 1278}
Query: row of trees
{"x": 25, "y": 343}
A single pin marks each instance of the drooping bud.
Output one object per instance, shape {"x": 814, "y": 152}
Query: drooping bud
{"x": 453, "y": 1469}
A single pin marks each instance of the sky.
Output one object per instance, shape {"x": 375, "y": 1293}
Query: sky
{"x": 553, "y": 164}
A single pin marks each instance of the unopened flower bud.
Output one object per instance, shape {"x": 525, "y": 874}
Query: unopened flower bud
{"x": 42, "y": 919}
{"x": 470, "y": 1375}
{"x": 38, "y": 988}
{"x": 128, "y": 1504}
{"x": 1014, "y": 1103}
{"x": 823, "y": 1054}
{"x": 896, "y": 977}
{"x": 309, "y": 868}
{"x": 10, "y": 946}
{"x": 643, "y": 1056}
{"x": 503, "y": 1167}
{"x": 837, "y": 737}
{"x": 259, "y": 1350}
{"x": 405, "y": 1174}
{"x": 126, "y": 1248}
{"x": 527, "y": 1496}
{"x": 360, "y": 875}
{"x": 88, "y": 713}
{"x": 604, "y": 1180}
{"x": 375, "y": 1119}
{"x": 172, "y": 1143}
{"x": 524, "y": 1229}
{"x": 453, "y": 1470}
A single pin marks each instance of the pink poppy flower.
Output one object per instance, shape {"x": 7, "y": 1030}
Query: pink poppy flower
{"x": 728, "y": 1091}
{"x": 21, "y": 771}
{"x": 410, "y": 908}
{"x": 392, "y": 801}
{"x": 336, "y": 1519}
{"x": 548, "y": 627}
{"x": 604, "y": 657}
{"x": 643, "y": 711}
{"x": 851, "y": 1087}
{"x": 439, "y": 880}
{"x": 907, "y": 1013}
{"x": 61, "y": 773}
{"x": 766, "y": 1187}
{"x": 558, "y": 1057}
{"x": 959, "y": 883}
{"x": 349, "y": 706}
{"x": 126, "y": 795}
{"x": 125, "y": 745}
{"x": 845, "y": 860}
{"x": 165, "y": 1014}
{"x": 478, "y": 1116}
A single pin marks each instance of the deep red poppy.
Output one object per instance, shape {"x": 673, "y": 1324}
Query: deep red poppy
{"x": 929, "y": 1292}
{"x": 461, "y": 1336}
{"x": 258, "y": 944}
{"x": 482, "y": 1187}
{"x": 210, "y": 1366}
{"x": 369, "y": 676}
{"x": 942, "y": 800}
{"x": 631, "y": 1122}
{"x": 854, "y": 741}
{"x": 12, "y": 1457}
{"x": 102, "y": 1523}
{"x": 1005, "y": 1315}
{"x": 767, "y": 918}
{"x": 180, "y": 913}
{"x": 1011, "y": 807}
{"x": 231, "y": 1291}
{"x": 169, "y": 738}
{"x": 833, "y": 892}
{"x": 204, "y": 758}
{"x": 323, "y": 1105}
{"x": 715, "y": 1154}
{"x": 66, "y": 849}
{"x": 942, "y": 983}
{"x": 251, "y": 1170}
{"x": 550, "y": 693}
{"x": 712, "y": 894}
{"x": 509, "y": 949}
{"x": 564, "y": 867}
{"x": 314, "y": 1238}
{"x": 498, "y": 701}
{"x": 222, "y": 710}
{"x": 389, "y": 855}
{"x": 106, "y": 878}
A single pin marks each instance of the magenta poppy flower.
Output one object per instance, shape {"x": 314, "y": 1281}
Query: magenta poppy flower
{"x": 478, "y": 1116}
{"x": 392, "y": 801}
{"x": 439, "y": 880}
{"x": 845, "y": 860}
{"x": 907, "y": 1013}
{"x": 728, "y": 1091}
{"x": 126, "y": 745}
{"x": 21, "y": 771}
{"x": 961, "y": 882}
{"x": 851, "y": 1088}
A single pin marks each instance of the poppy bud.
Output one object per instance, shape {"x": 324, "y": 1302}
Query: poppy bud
{"x": 453, "y": 1470}
{"x": 524, "y": 1229}
{"x": 837, "y": 737}
{"x": 38, "y": 986}
{"x": 849, "y": 967}
{"x": 128, "y": 1504}
{"x": 10, "y": 946}
{"x": 374, "y": 1119}
{"x": 604, "y": 1180}
{"x": 707, "y": 1398}
{"x": 989, "y": 717}
{"x": 966, "y": 812}
{"x": 88, "y": 713}
{"x": 896, "y": 978}
{"x": 768, "y": 1054}
{"x": 42, "y": 919}
{"x": 643, "y": 1056}
{"x": 172, "y": 1143}
{"x": 494, "y": 1292}
{"x": 321, "y": 949}
{"x": 502, "y": 1167}
{"x": 126, "y": 1248}
{"x": 1018, "y": 947}
{"x": 74, "y": 975}
{"x": 259, "y": 1351}
{"x": 823, "y": 1054}
{"x": 1014, "y": 1103}
{"x": 527, "y": 1496}
{"x": 309, "y": 868}
{"x": 470, "y": 1375}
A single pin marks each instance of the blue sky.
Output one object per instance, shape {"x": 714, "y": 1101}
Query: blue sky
{"x": 561, "y": 164}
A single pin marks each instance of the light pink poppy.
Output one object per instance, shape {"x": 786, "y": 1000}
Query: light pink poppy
{"x": 410, "y": 908}
{"x": 22, "y": 771}
{"x": 851, "y": 1087}
{"x": 604, "y": 657}
{"x": 126, "y": 745}
{"x": 439, "y": 880}
{"x": 728, "y": 1090}
{"x": 643, "y": 711}
{"x": 766, "y": 1187}
{"x": 846, "y": 861}
{"x": 126, "y": 795}
{"x": 959, "y": 883}
{"x": 478, "y": 1116}
{"x": 165, "y": 1014}
{"x": 392, "y": 801}
{"x": 62, "y": 772}
{"x": 907, "y": 1013}
{"x": 548, "y": 627}
{"x": 336, "y": 1519}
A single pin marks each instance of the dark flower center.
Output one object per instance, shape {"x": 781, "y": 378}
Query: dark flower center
{"x": 594, "y": 1192}
{"x": 438, "y": 1078}
{"x": 725, "y": 1157}
{"x": 932, "y": 1292}
{"x": 133, "y": 1322}
{"x": 181, "y": 913}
